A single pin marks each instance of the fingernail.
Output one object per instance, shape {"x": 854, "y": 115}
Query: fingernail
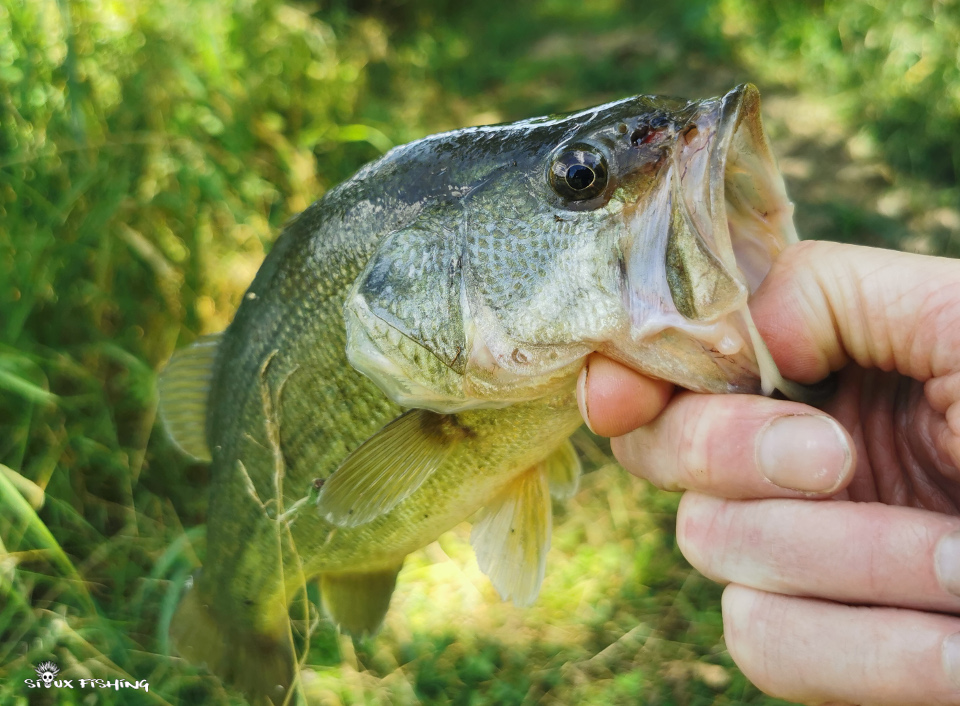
{"x": 951, "y": 658}
{"x": 582, "y": 395}
{"x": 805, "y": 452}
{"x": 947, "y": 562}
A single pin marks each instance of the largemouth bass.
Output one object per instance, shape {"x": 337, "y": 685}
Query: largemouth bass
{"x": 463, "y": 278}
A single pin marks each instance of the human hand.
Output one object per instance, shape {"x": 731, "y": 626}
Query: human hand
{"x": 853, "y": 600}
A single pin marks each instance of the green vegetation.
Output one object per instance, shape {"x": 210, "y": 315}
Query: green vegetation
{"x": 149, "y": 153}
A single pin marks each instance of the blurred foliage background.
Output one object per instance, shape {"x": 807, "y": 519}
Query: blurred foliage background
{"x": 151, "y": 149}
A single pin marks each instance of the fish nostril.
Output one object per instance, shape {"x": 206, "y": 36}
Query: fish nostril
{"x": 651, "y": 131}
{"x": 646, "y": 134}
{"x": 641, "y": 136}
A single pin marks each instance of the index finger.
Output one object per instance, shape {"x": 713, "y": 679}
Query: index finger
{"x": 825, "y": 303}
{"x": 740, "y": 446}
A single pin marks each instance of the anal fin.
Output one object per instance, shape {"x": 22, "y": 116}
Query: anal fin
{"x": 511, "y": 537}
{"x": 358, "y": 602}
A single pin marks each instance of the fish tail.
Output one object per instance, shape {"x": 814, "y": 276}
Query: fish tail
{"x": 256, "y": 663}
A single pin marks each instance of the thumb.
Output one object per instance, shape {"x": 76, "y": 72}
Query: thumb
{"x": 824, "y": 304}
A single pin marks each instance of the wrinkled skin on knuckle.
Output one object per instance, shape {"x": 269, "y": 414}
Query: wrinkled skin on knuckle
{"x": 754, "y": 624}
{"x": 826, "y": 302}
{"x": 793, "y": 315}
{"x": 693, "y": 468}
{"x": 902, "y": 459}
{"x": 672, "y": 450}
{"x": 632, "y": 451}
{"x": 707, "y": 540}
{"x": 844, "y": 324}
{"x": 859, "y": 303}
{"x": 934, "y": 314}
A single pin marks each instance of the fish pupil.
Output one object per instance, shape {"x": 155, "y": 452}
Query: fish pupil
{"x": 577, "y": 175}
{"x": 580, "y": 177}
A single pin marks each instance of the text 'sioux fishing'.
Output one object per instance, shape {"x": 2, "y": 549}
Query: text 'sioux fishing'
{"x": 406, "y": 357}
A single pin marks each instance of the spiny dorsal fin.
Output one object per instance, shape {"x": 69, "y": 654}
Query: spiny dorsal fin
{"x": 563, "y": 471}
{"x": 511, "y": 537}
{"x": 358, "y": 602}
{"x": 184, "y": 387}
{"x": 388, "y": 467}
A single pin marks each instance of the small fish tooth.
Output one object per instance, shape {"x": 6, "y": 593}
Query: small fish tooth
{"x": 730, "y": 344}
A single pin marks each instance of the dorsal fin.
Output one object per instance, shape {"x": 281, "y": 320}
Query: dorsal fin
{"x": 184, "y": 387}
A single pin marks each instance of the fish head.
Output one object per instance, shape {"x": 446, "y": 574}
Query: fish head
{"x": 638, "y": 229}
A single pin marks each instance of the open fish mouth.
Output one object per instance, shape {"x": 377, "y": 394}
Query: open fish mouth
{"x": 747, "y": 190}
{"x": 699, "y": 244}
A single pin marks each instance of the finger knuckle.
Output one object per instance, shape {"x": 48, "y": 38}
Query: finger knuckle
{"x": 637, "y": 453}
{"x": 800, "y": 256}
{"x": 694, "y": 439}
{"x": 755, "y": 625}
{"x": 707, "y": 535}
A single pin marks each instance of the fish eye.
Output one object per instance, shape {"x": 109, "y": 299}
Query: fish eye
{"x": 578, "y": 173}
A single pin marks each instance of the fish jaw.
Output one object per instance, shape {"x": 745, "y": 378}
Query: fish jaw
{"x": 697, "y": 246}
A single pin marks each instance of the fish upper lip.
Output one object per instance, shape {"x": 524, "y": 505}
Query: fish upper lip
{"x": 742, "y": 99}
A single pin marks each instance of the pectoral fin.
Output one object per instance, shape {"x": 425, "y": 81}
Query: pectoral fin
{"x": 563, "y": 471}
{"x": 388, "y": 467}
{"x": 184, "y": 387}
{"x": 358, "y": 602}
{"x": 511, "y": 537}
